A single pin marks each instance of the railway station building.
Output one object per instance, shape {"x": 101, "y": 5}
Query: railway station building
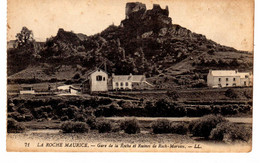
{"x": 97, "y": 81}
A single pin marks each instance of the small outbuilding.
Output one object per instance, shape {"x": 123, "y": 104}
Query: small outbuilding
{"x": 68, "y": 89}
{"x": 28, "y": 89}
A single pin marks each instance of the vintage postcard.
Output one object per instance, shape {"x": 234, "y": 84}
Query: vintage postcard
{"x": 129, "y": 76}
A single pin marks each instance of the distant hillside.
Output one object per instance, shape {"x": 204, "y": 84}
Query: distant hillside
{"x": 146, "y": 42}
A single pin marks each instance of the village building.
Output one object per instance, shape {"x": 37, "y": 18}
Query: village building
{"x": 97, "y": 81}
{"x": 229, "y": 78}
{"x": 28, "y": 89}
{"x": 128, "y": 82}
{"x": 67, "y": 89}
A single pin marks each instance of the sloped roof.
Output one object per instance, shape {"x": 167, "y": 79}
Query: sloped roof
{"x": 64, "y": 87}
{"x": 243, "y": 74}
{"x": 138, "y": 78}
{"x": 229, "y": 73}
{"x": 132, "y": 78}
{"x": 94, "y": 70}
{"x": 121, "y": 78}
{"x": 224, "y": 73}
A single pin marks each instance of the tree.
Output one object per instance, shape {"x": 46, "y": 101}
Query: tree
{"x": 211, "y": 52}
{"x": 25, "y": 37}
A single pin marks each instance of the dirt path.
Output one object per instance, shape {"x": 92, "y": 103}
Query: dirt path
{"x": 184, "y": 119}
{"x": 180, "y": 67}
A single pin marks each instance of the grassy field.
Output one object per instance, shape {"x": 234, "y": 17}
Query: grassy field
{"x": 145, "y": 122}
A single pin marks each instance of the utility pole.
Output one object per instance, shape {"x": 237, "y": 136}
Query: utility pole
{"x": 105, "y": 65}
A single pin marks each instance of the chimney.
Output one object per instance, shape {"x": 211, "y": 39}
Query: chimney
{"x": 130, "y": 76}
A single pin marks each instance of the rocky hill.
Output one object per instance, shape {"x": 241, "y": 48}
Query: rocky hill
{"x": 146, "y": 42}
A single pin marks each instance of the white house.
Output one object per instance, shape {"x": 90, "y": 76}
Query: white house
{"x": 96, "y": 81}
{"x": 128, "y": 81}
{"x": 229, "y": 78}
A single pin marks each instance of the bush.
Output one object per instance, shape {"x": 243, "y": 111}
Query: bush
{"x": 203, "y": 126}
{"x": 203, "y": 110}
{"x": 28, "y": 117}
{"x": 14, "y": 127}
{"x": 92, "y": 122}
{"x": 105, "y": 101}
{"x": 74, "y": 127}
{"x": 18, "y": 117}
{"x": 64, "y": 118}
{"x": 173, "y": 94}
{"x": 161, "y": 126}
{"x": 127, "y": 105}
{"x": 245, "y": 109}
{"x": 76, "y": 76}
{"x": 248, "y": 94}
{"x": 79, "y": 117}
{"x": 229, "y": 110}
{"x": 229, "y": 132}
{"x": 115, "y": 127}
{"x": 199, "y": 84}
{"x": 130, "y": 126}
{"x": 179, "y": 128}
{"x": 11, "y": 107}
{"x": 104, "y": 127}
{"x": 231, "y": 93}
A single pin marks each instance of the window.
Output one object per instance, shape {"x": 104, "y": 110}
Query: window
{"x": 226, "y": 79}
{"x": 99, "y": 78}
{"x": 244, "y": 82}
{"x": 227, "y": 84}
{"x": 121, "y": 84}
{"x": 219, "y": 79}
{"x": 27, "y": 88}
{"x": 234, "y": 79}
{"x": 104, "y": 78}
{"x": 126, "y": 84}
{"x": 234, "y": 84}
{"x": 117, "y": 84}
{"x": 246, "y": 76}
{"x": 219, "y": 85}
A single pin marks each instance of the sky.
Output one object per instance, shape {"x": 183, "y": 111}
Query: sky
{"x": 228, "y": 22}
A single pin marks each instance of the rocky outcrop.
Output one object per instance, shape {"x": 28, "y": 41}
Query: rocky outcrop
{"x": 145, "y": 42}
{"x": 134, "y": 7}
{"x": 137, "y": 17}
{"x": 157, "y": 10}
{"x": 67, "y": 37}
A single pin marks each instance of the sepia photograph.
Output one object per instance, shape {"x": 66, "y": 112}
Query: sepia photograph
{"x": 130, "y": 76}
